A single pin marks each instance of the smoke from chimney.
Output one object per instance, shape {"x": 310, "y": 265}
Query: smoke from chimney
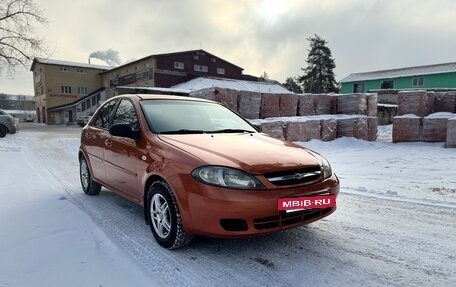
{"x": 109, "y": 56}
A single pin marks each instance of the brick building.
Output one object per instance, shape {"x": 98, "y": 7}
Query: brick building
{"x": 66, "y": 90}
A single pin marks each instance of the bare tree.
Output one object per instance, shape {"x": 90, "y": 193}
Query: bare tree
{"x": 19, "y": 42}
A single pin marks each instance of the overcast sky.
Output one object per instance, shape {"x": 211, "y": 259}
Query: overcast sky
{"x": 258, "y": 35}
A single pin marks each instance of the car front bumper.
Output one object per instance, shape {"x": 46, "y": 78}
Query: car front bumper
{"x": 222, "y": 212}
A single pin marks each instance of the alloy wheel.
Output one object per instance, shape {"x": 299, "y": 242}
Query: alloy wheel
{"x": 160, "y": 214}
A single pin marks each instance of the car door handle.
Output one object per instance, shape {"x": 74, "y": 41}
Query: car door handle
{"x": 108, "y": 143}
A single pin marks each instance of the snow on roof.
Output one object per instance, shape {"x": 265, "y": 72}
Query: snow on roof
{"x": 402, "y": 72}
{"x": 241, "y": 85}
{"x": 71, "y": 64}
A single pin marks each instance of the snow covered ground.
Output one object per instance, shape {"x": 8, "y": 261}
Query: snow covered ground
{"x": 395, "y": 225}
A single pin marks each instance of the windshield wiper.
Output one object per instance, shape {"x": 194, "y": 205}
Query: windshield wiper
{"x": 230, "y": 131}
{"x": 183, "y": 132}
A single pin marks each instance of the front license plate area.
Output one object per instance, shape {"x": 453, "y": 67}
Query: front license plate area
{"x": 295, "y": 204}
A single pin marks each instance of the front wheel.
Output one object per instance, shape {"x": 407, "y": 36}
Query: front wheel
{"x": 3, "y": 131}
{"x": 89, "y": 186}
{"x": 164, "y": 217}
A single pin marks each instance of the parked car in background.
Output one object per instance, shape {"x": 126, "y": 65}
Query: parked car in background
{"x": 8, "y": 124}
{"x": 83, "y": 120}
{"x": 198, "y": 168}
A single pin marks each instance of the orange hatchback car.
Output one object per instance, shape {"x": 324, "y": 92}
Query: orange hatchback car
{"x": 199, "y": 168}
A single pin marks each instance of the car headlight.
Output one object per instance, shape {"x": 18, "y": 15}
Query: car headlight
{"x": 226, "y": 177}
{"x": 326, "y": 168}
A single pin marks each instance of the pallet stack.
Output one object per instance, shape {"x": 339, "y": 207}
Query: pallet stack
{"x": 362, "y": 108}
{"x": 424, "y": 116}
{"x": 451, "y": 133}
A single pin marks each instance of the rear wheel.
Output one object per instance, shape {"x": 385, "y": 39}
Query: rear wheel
{"x": 89, "y": 186}
{"x": 3, "y": 131}
{"x": 164, "y": 217}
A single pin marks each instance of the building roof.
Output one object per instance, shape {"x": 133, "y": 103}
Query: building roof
{"x": 67, "y": 63}
{"x": 168, "y": 54}
{"x": 402, "y": 72}
{"x": 241, "y": 85}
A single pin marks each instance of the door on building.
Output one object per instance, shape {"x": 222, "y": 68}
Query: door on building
{"x": 70, "y": 116}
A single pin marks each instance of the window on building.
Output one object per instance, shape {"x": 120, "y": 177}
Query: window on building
{"x": 195, "y": 57}
{"x": 417, "y": 81}
{"x": 82, "y": 91}
{"x": 94, "y": 101}
{"x": 81, "y": 71}
{"x": 83, "y": 106}
{"x": 179, "y": 65}
{"x": 200, "y": 68}
{"x": 221, "y": 71}
{"x": 387, "y": 84}
{"x": 358, "y": 88}
{"x": 64, "y": 69}
{"x": 65, "y": 89}
{"x": 213, "y": 60}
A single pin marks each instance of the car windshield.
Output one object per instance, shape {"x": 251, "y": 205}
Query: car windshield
{"x": 190, "y": 117}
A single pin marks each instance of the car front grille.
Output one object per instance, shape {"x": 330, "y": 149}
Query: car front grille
{"x": 285, "y": 219}
{"x": 295, "y": 177}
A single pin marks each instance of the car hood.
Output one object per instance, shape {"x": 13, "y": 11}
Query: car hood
{"x": 255, "y": 153}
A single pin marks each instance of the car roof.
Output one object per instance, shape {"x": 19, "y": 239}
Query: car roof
{"x": 141, "y": 97}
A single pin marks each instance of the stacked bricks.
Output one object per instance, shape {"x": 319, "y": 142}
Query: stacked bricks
{"x": 372, "y": 125}
{"x": 270, "y": 106}
{"x": 325, "y": 104}
{"x": 328, "y": 129}
{"x": 278, "y": 105}
{"x": 407, "y": 128}
{"x": 249, "y": 104}
{"x": 445, "y": 102}
{"x": 306, "y": 104}
{"x": 253, "y": 105}
{"x": 303, "y": 131}
{"x": 427, "y": 116}
{"x": 413, "y": 102}
{"x": 372, "y": 103}
{"x": 451, "y": 133}
{"x": 288, "y": 105}
{"x": 325, "y": 129}
{"x": 226, "y": 96}
{"x": 353, "y": 104}
{"x": 273, "y": 129}
{"x": 435, "y": 127}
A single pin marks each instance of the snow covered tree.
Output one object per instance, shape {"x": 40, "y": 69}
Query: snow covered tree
{"x": 18, "y": 41}
{"x": 319, "y": 74}
{"x": 291, "y": 85}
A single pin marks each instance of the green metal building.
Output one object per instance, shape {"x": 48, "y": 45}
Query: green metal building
{"x": 439, "y": 76}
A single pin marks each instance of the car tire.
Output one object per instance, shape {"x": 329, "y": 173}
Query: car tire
{"x": 89, "y": 186}
{"x": 3, "y": 131}
{"x": 164, "y": 217}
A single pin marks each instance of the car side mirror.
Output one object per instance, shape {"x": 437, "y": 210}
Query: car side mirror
{"x": 123, "y": 130}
